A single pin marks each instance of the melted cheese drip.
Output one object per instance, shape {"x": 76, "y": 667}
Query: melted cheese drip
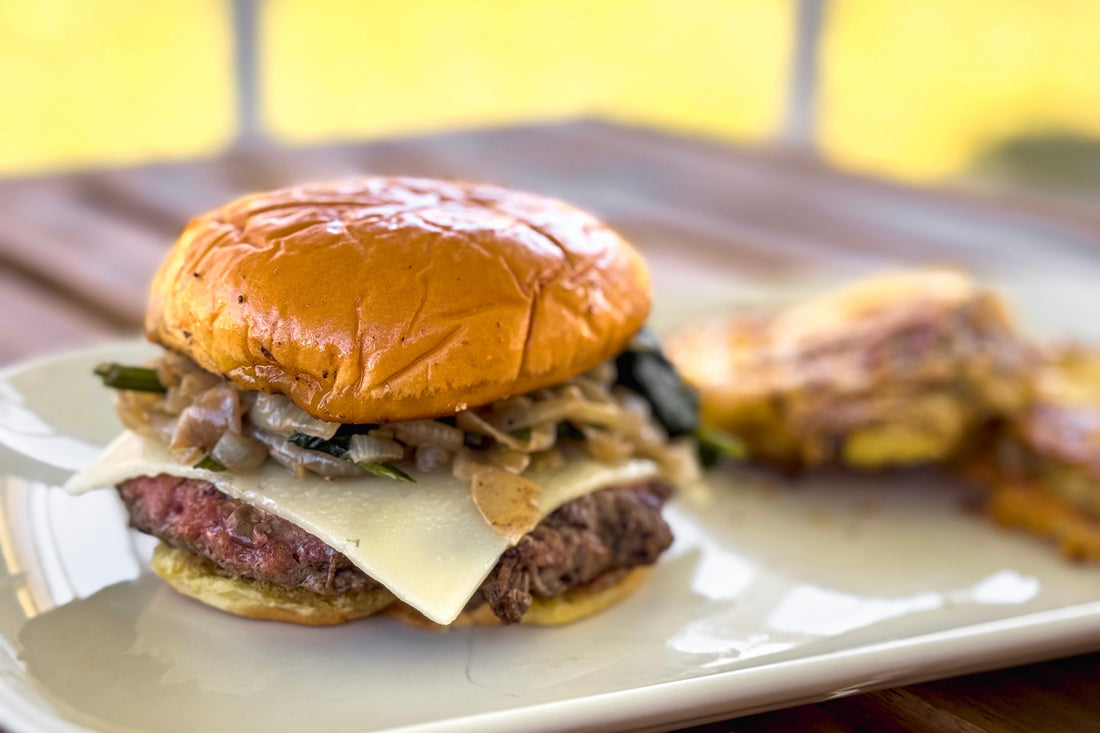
{"x": 426, "y": 542}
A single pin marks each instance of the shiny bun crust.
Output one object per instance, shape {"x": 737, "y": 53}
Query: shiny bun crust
{"x": 193, "y": 576}
{"x": 573, "y": 605}
{"x": 387, "y": 299}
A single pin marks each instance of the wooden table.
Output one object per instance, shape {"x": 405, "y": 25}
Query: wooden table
{"x": 76, "y": 252}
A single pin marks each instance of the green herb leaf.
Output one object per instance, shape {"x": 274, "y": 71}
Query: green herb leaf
{"x": 714, "y": 444}
{"x": 523, "y": 434}
{"x": 135, "y": 379}
{"x": 385, "y": 470}
{"x": 209, "y": 464}
{"x": 644, "y": 369}
{"x": 336, "y": 446}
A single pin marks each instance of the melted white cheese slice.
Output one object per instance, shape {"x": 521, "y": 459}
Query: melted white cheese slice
{"x": 427, "y": 542}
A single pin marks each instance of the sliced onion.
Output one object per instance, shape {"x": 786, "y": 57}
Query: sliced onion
{"x": 471, "y": 422}
{"x": 299, "y": 460}
{"x": 577, "y": 410}
{"x": 546, "y": 461}
{"x": 606, "y": 447}
{"x": 604, "y": 373}
{"x": 171, "y": 367}
{"x": 680, "y": 461}
{"x": 135, "y": 409}
{"x": 633, "y": 402}
{"x": 369, "y": 448}
{"x": 190, "y": 386}
{"x": 428, "y": 432}
{"x": 239, "y": 453}
{"x": 543, "y": 437}
{"x": 203, "y": 413}
{"x": 432, "y": 458}
{"x": 465, "y": 465}
{"x": 592, "y": 390}
{"x": 276, "y": 414}
{"x": 162, "y": 426}
{"x": 510, "y": 460}
{"x": 202, "y": 423}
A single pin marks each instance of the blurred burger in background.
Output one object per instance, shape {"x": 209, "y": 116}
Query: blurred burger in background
{"x": 897, "y": 369}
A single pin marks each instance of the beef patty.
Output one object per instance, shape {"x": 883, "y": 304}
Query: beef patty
{"x": 597, "y": 534}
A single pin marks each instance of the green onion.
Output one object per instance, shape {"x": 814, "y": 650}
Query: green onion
{"x": 209, "y": 464}
{"x": 523, "y": 434}
{"x": 644, "y": 369}
{"x": 714, "y": 444}
{"x": 385, "y": 470}
{"x": 136, "y": 379}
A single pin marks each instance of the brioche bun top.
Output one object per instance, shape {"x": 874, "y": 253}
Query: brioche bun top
{"x": 388, "y": 299}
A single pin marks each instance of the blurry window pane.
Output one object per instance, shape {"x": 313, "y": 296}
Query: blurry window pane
{"x": 112, "y": 81}
{"x": 348, "y": 69}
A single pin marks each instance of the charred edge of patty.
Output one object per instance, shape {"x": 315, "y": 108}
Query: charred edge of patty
{"x": 617, "y": 527}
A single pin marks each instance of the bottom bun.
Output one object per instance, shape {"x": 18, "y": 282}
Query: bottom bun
{"x": 571, "y": 606}
{"x": 196, "y": 577}
{"x": 1019, "y": 504}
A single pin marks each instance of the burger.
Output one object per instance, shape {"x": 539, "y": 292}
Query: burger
{"x": 425, "y": 397}
{"x": 1042, "y": 467}
{"x": 896, "y": 369}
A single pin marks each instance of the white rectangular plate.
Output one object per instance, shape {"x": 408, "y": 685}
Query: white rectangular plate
{"x": 773, "y": 594}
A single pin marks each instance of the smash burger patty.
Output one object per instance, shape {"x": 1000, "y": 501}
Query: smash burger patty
{"x": 612, "y": 529}
{"x": 432, "y": 398}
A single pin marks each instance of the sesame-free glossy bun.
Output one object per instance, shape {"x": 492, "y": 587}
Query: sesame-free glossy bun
{"x": 387, "y": 299}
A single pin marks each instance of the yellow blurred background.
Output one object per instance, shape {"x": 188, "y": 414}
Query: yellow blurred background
{"x": 919, "y": 91}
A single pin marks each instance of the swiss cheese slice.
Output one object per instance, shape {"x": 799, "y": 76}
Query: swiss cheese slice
{"x": 425, "y": 541}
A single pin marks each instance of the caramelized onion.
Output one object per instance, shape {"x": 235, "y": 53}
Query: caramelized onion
{"x": 471, "y": 422}
{"x": 277, "y": 414}
{"x": 510, "y": 460}
{"x": 465, "y": 465}
{"x": 202, "y": 423}
{"x": 577, "y": 410}
{"x": 546, "y": 461}
{"x": 300, "y": 460}
{"x": 679, "y": 461}
{"x": 239, "y": 453}
{"x": 171, "y": 367}
{"x": 368, "y": 448}
{"x": 606, "y": 447}
{"x": 202, "y": 413}
{"x": 190, "y": 386}
{"x": 428, "y": 432}
{"x": 432, "y": 458}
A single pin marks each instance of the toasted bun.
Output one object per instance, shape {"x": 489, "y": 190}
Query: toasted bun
{"x": 1016, "y": 503}
{"x": 193, "y": 576}
{"x": 396, "y": 299}
{"x": 571, "y": 606}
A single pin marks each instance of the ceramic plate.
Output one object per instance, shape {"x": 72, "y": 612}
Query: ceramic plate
{"x": 772, "y": 595}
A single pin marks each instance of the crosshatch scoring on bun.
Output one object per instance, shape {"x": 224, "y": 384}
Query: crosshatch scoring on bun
{"x": 387, "y": 299}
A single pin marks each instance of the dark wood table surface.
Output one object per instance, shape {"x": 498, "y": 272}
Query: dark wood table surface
{"x": 77, "y": 250}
